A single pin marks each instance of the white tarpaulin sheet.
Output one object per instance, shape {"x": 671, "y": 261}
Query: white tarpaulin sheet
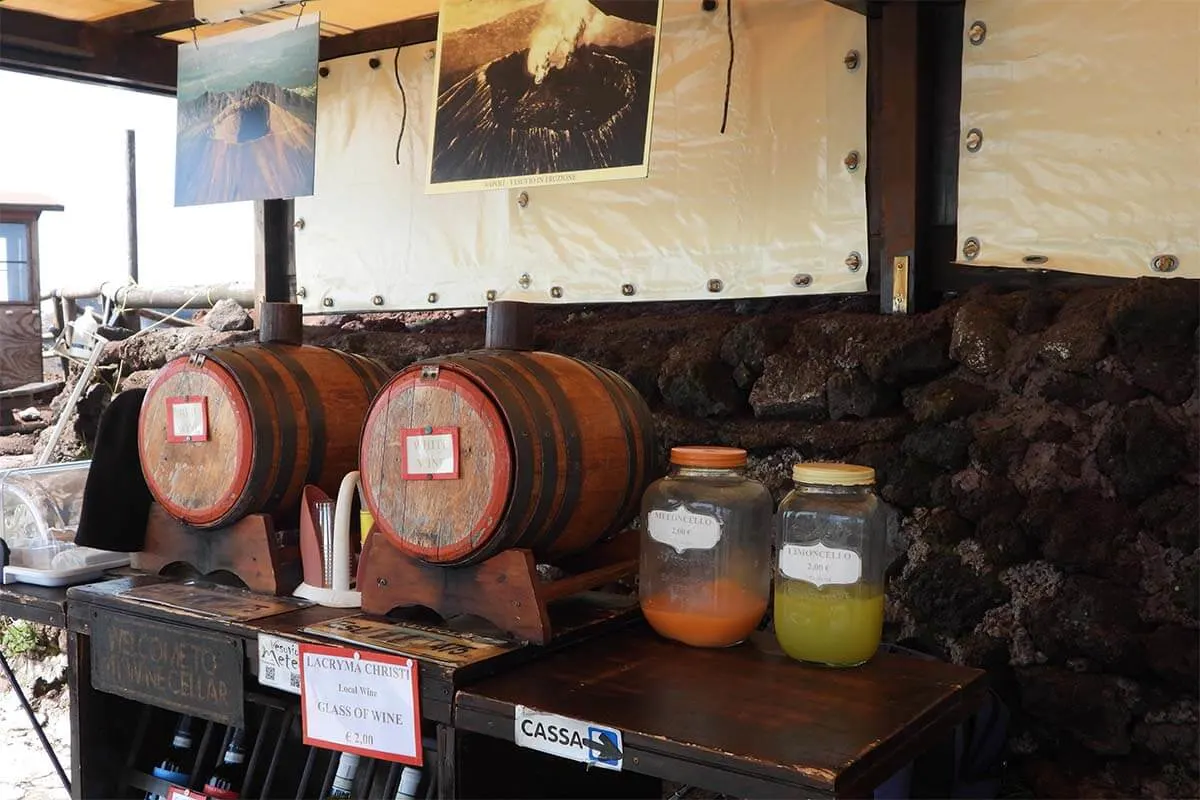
{"x": 753, "y": 208}
{"x": 1090, "y": 117}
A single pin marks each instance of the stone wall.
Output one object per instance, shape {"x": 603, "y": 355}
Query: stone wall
{"x": 1041, "y": 449}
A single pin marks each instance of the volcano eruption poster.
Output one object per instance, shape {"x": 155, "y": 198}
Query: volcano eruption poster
{"x": 247, "y": 114}
{"x": 536, "y": 92}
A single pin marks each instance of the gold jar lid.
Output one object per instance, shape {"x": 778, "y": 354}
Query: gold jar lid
{"x": 826, "y": 473}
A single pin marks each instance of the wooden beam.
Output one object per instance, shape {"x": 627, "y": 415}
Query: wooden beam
{"x": 44, "y": 45}
{"x": 164, "y": 17}
{"x": 862, "y": 6}
{"x": 274, "y": 251}
{"x": 897, "y": 153}
{"x": 381, "y": 37}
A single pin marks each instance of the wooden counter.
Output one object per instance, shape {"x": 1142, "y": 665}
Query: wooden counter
{"x": 111, "y": 631}
{"x": 745, "y": 721}
{"x": 44, "y": 605}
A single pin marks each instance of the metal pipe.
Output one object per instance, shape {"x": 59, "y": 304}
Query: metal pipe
{"x": 131, "y": 201}
{"x": 37, "y": 728}
{"x": 167, "y": 319}
{"x": 137, "y": 297}
{"x": 85, "y": 379}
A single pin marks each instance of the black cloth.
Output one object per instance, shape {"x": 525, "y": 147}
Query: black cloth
{"x": 116, "y": 500}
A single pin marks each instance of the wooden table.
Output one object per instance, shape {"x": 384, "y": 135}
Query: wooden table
{"x": 745, "y": 721}
{"x": 43, "y": 605}
{"x": 102, "y": 762}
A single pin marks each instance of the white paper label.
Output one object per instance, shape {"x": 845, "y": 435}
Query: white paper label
{"x": 819, "y": 564}
{"x": 430, "y": 454}
{"x": 683, "y": 530}
{"x": 279, "y": 663}
{"x": 360, "y": 702}
{"x": 586, "y": 742}
{"x": 187, "y": 420}
{"x": 179, "y": 793}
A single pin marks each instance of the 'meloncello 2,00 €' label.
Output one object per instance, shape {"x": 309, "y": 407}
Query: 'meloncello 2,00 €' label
{"x": 684, "y": 530}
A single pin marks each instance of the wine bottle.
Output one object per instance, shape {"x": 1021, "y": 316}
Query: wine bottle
{"x": 173, "y": 766}
{"x": 343, "y": 779}
{"x": 226, "y": 780}
{"x": 410, "y": 781}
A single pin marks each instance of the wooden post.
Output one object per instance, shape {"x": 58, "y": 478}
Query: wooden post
{"x": 509, "y": 325}
{"x": 131, "y": 319}
{"x": 281, "y": 323}
{"x": 274, "y": 251}
{"x": 897, "y": 152}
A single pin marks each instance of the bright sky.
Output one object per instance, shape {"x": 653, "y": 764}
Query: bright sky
{"x": 66, "y": 139}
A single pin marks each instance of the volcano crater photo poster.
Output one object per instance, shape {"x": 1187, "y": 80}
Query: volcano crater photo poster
{"x": 247, "y": 114}
{"x": 535, "y": 92}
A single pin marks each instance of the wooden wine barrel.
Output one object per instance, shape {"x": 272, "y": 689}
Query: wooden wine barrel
{"x": 240, "y": 430}
{"x": 467, "y": 455}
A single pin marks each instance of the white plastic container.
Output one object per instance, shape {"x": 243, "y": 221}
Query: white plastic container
{"x": 39, "y": 511}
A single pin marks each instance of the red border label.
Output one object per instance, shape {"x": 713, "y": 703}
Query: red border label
{"x": 364, "y": 656}
{"x": 200, "y": 400}
{"x": 179, "y": 793}
{"x": 414, "y": 433}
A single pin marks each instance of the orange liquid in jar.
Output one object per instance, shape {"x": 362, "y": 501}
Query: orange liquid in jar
{"x": 716, "y": 614}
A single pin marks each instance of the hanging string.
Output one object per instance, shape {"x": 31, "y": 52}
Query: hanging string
{"x": 300, "y": 13}
{"x": 404, "y": 98}
{"x": 729, "y": 71}
{"x": 195, "y": 41}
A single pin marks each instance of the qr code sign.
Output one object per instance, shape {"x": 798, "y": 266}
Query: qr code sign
{"x": 279, "y": 663}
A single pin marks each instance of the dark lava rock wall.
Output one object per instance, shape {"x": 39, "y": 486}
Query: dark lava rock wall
{"x": 1041, "y": 448}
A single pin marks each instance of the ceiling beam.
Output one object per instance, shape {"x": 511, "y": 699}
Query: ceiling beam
{"x": 45, "y": 45}
{"x": 865, "y": 7}
{"x": 381, "y": 37}
{"x": 125, "y": 51}
{"x": 165, "y": 17}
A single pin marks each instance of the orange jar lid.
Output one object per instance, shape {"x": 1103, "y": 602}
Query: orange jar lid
{"x": 710, "y": 457}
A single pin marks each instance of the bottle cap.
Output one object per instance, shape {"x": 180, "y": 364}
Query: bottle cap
{"x": 710, "y": 457}
{"x": 833, "y": 474}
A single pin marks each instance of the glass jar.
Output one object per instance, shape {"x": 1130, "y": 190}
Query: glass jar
{"x": 705, "y": 572}
{"x": 830, "y": 565}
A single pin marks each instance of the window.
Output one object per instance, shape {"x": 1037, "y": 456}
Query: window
{"x": 14, "y": 263}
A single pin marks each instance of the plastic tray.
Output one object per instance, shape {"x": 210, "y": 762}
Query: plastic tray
{"x": 66, "y": 577}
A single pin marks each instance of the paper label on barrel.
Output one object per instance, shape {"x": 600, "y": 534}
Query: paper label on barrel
{"x": 187, "y": 419}
{"x": 684, "y": 530}
{"x": 819, "y": 564}
{"x": 429, "y": 454}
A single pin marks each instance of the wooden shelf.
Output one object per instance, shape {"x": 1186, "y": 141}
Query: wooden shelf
{"x": 746, "y": 721}
{"x": 44, "y": 605}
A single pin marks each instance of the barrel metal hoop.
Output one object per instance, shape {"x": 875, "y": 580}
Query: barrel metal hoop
{"x": 631, "y": 496}
{"x": 365, "y": 373}
{"x": 572, "y": 450}
{"x": 496, "y": 385}
{"x": 317, "y": 433}
{"x": 285, "y": 415}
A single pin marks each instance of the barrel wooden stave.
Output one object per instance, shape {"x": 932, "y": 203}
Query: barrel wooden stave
{"x": 280, "y": 416}
{"x": 570, "y": 450}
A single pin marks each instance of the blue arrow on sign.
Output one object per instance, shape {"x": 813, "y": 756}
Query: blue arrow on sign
{"x": 604, "y": 744}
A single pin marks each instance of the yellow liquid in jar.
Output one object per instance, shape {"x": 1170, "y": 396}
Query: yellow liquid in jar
{"x": 835, "y": 625}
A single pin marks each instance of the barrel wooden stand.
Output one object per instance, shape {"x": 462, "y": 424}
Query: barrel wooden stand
{"x": 505, "y": 589}
{"x": 249, "y": 549}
